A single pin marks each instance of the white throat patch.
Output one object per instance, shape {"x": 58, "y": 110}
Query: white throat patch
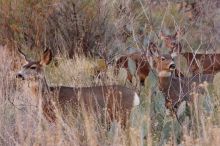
{"x": 164, "y": 74}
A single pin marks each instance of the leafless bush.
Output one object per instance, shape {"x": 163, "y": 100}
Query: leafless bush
{"x": 96, "y": 28}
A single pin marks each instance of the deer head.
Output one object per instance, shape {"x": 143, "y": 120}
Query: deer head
{"x": 164, "y": 65}
{"x": 34, "y": 69}
{"x": 172, "y": 41}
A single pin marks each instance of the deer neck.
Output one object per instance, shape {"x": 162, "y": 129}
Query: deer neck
{"x": 44, "y": 87}
{"x": 39, "y": 89}
{"x": 164, "y": 82}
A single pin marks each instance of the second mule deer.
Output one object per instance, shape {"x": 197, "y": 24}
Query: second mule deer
{"x": 141, "y": 62}
{"x": 175, "y": 90}
{"x": 117, "y": 100}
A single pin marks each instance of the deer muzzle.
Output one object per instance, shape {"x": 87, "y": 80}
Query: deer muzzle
{"x": 20, "y": 76}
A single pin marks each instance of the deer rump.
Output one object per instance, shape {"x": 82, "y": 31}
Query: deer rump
{"x": 209, "y": 63}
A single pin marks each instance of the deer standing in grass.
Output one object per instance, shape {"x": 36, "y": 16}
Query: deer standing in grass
{"x": 142, "y": 65}
{"x": 175, "y": 90}
{"x": 118, "y": 100}
{"x": 198, "y": 63}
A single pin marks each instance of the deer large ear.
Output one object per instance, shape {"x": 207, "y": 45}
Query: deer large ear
{"x": 152, "y": 61}
{"x": 46, "y": 58}
{"x": 153, "y": 50}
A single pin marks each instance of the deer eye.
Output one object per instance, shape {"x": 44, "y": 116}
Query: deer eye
{"x": 33, "y": 67}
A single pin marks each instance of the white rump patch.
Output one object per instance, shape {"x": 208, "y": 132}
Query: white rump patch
{"x": 164, "y": 73}
{"x": 136, "y": 100}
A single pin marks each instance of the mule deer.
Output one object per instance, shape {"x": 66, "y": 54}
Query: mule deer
{"x": 141, "y": 62}
{"x": 198, "y": 63}
{"x": 190, "y": 9}
{"x": 118, "y": 100}
{"x": 175, "y": 90}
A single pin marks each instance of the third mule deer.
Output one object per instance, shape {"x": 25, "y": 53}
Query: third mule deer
{"x": 190, "y": 9}
{"x": 117, "y": 100}
{"x": 172, "y": 41}
{"x": 198, "y": 63}
{"x": 202, "y": 63}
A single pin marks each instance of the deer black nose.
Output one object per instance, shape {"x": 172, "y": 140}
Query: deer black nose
{"x": 172, "y": 66}
{"x": 20, "y": 76}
